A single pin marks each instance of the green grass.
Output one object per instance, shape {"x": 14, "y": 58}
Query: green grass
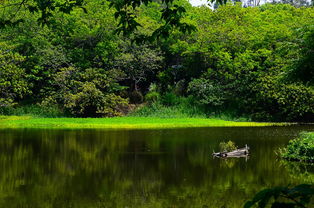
{"x": 183, "y": 110}
{"x": 120, "y": 122}
{"x": 32, "y": 110}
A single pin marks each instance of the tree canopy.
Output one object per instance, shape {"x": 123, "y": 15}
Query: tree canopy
{"x": 126, "y": 12}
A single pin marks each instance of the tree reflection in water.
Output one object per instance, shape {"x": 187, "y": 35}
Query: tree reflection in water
{"x": 148, "y": 168}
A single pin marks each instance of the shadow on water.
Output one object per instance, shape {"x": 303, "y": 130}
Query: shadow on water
{"x": 140, "y": 168}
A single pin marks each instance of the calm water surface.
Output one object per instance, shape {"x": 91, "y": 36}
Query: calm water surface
{"x": 147, "y": 168}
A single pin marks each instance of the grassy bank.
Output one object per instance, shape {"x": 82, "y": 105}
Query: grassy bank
{"x": 120, "y": 122}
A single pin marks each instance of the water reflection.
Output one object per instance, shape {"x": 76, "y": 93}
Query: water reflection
{"x": 300, "y": 171}
{"x": 151, "y": 168}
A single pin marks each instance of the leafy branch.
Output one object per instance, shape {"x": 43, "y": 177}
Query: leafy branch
{"x": 296, "y": 197}
{"x": 171, "y": 17}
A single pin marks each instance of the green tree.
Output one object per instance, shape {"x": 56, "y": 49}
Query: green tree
{"x": 303, "y": 70}
{"x": 90, "y": 92}
{"x": 126, "y": 14}
{"x": 138, "y": 62}
{"x": 13, "y": 84}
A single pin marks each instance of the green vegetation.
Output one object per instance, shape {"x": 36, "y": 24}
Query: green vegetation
{"x": 169, "y": 106}
{"x": 227, "y": 146}
{"x": 120, "y": 122}
{"x": 295, "y": 197}
{"x": 254, "y": 63}
{"x": 185, "y": 67}
{"x": 300, "y": 149}
{"x": 34, "y": 110}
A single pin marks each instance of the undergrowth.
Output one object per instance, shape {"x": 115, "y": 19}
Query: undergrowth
{"x": 182, "y": 107}
{"x": 32, "y": 110}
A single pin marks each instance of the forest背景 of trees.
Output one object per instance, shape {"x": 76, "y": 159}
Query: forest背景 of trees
{"x": 255, "y": 62}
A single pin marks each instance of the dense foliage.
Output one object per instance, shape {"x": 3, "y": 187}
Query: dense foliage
{"x": 126, "y": 14}
{"x": 255, "y": 62}
{"x": 13, "y": 84}
{"x": 300, "y": 149}
{"x": 245, "y": 63}
{"x": 296, "y": 197}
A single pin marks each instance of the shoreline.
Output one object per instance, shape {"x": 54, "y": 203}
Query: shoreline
{"x": 13, "y": 122}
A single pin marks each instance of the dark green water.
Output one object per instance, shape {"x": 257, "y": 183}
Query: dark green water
{"x": 147, "y": 168}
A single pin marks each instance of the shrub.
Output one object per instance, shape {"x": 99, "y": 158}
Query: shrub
{"x": 300, "y": 149}
{"x": 90, "y": 101}
{"x": 87, "y": 93}
{"x": 296, "y": 101}
{"x": 169, "y": 99}
{"x": 13, "y": 85}
{"x": 152, "y": 97}
{"x": 206, "y": 92}
{"x": 298, "y": 196}
{"x": 291, "y": 102}
{"x": 227, "y": 146}
{"x": 183, "y": 109}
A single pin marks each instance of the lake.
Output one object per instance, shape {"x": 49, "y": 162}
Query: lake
{"x": 142, "y": 168}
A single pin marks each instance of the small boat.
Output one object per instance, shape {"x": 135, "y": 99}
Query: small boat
{"x": 242, "y": 152}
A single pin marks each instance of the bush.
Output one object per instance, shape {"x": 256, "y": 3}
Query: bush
{"x": 206, "y": 92}
{"x": 183, "y": 109}
{"x": 296, "y": 197}
{"x": 152, "y": 97}
{"x": 292, "y": 102}
{"x": 88, "y": 93}
{"x": 170, "y": 99}
{"x": 300, "y": 149}
{"x": 296, "y": 102}
{"x": 227, "y": 146}
{"x": 13, "y": 84}
{"x": 90, "y": 101}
